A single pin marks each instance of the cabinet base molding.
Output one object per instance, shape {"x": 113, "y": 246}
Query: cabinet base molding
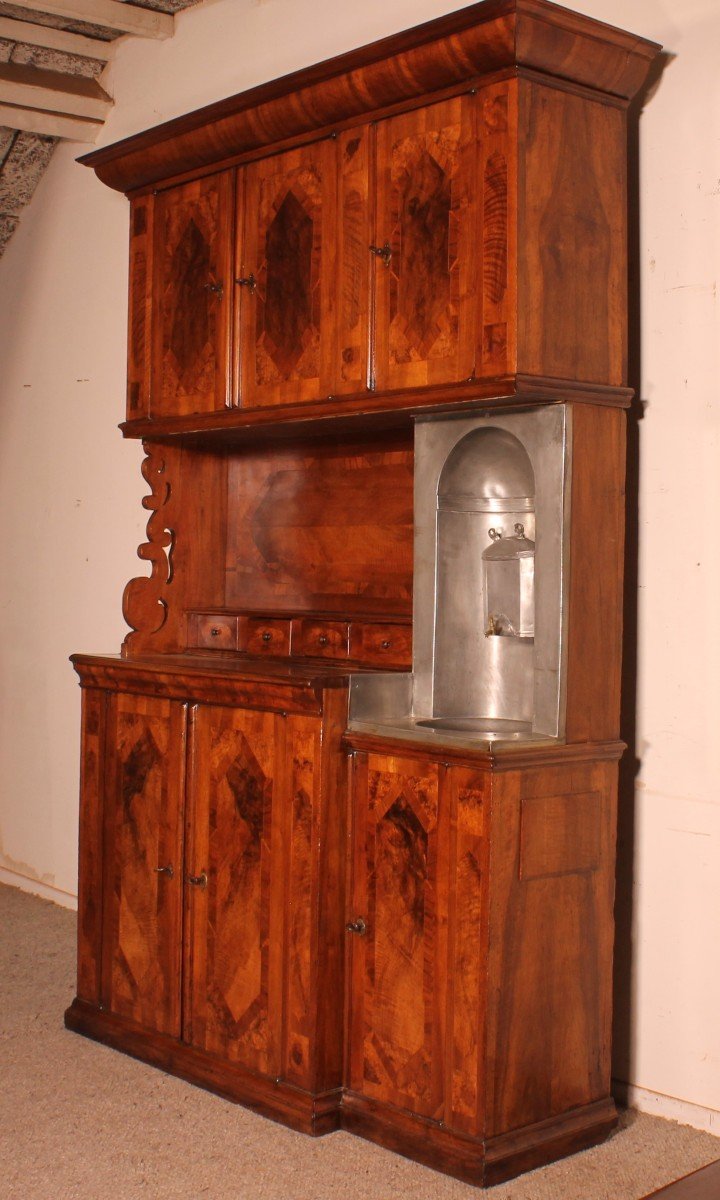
{"x": 478, "y": 1162}
{"x": 314, "y": 1114}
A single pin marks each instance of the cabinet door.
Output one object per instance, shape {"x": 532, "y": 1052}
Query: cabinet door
{"x": 426, "y": 217}
{"x": 286, "y": 256}
{"x": 259, "y": 968}
{"x": 416, "y": 995}
{"x": 142, "y": 918}
{"x": 233, "y": 1001}
{"x": 398, "y": 973}
{"x": 193, "y": 293}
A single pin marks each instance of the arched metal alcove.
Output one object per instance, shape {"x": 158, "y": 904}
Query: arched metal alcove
{"x": 492, "y": 504}
{"x": 484, "y": 615}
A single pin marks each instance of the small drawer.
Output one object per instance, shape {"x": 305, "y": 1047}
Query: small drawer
{"x": 213, "y": 632}
{"x": 321, "y": 639}
{"x": 376, "y": 644}
{"x": 267, "y": 637}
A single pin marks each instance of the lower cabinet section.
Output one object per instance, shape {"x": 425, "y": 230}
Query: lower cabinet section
{"x": 205, "y": 830}
{"x": 422, "y": 957}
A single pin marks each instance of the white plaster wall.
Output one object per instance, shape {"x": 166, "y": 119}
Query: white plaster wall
{"x": 70, "y": 517}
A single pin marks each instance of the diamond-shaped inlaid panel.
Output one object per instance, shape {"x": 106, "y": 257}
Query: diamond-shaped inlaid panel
{"x": 189, "y": 333}
{"x": 142, "y": 904}
{"x": 427, "y": 205}
{"x": 402, "y": 937}
{"x": 425, "y": 210}
{"x": 423, "y": 270}
{"x": 285, "y": 198}
{"x": 288, "y": 290}
{"x": 233, "y": 794}
{"x": 191, "y": 242}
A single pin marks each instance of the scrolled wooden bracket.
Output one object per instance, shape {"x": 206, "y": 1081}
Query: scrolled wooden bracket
{"x": 144, "y": 606}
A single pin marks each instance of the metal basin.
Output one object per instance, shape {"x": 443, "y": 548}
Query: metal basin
{"x": 485, "y": 726}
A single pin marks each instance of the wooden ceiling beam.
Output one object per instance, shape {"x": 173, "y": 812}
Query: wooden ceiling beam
{"x": 72, "y": 95}
{"x": 112, "y": 14}
{"x": 28, "y": 34}
{"x": 49, "y": 124}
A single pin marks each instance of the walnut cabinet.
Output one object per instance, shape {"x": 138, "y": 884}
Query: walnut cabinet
{"x": 407, "y": 934}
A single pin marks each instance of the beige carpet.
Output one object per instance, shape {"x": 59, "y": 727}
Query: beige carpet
{"x": 78, "y": 1120}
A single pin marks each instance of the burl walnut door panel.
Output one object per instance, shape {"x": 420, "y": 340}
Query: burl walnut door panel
{"x": 415, "y": 987}
{"x": 193, "y": 290}
{"x": 397, "y": 985}
{"x": 251, "y": 825}
{"x": 285, "y": 267}
{"x": 425, "y": 232}
{"x": 142, "y": 853}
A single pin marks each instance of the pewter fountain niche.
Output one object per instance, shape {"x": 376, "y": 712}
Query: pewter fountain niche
{"x": 491, "y": 514}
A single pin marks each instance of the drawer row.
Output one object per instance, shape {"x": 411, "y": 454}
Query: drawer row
{"x": 372, "y": 642}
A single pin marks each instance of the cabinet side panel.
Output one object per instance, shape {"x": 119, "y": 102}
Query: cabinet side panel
{"x": 551, "y": 942}
{"x": 496, "y": 352}
{"x": 90, "y": 873}
{"x": 145, "y": 752}
{"x": 140, "y": 307}
{"x": 231, "y": 816}
{"x": 595, "y": 593}
{"x": 572, "y": 288}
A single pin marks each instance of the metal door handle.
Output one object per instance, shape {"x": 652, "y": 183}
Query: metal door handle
{"x": 384, "y": 252}
{"x": 357, "y": 926}
{"x": 214, "y": 287}
{"x": 168, "y": 870}
{"x": 198, "y": 880}
{"x": 248, "y": 281}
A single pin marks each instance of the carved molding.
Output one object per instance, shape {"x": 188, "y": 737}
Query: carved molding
{"x": 144, "y": 606}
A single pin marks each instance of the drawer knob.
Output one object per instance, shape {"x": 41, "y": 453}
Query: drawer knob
{"x": 357, "y": 926}
{"x": 322, "y": 639}
{"x": 267, "y": 636}
{"x": 198, "y": 880}
{"x": 214, "y": 632}
{"x": 385, "y": 645}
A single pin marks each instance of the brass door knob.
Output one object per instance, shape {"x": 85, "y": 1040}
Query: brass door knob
{"x": 357, "y": 926}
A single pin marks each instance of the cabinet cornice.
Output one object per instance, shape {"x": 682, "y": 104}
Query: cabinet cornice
{"x": 486, "y": 37}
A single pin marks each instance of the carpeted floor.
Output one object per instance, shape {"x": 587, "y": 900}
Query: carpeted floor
{"x": 80, "y": 1121}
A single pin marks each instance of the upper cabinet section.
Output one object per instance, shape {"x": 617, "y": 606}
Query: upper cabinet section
{"x": 438, "y": 219}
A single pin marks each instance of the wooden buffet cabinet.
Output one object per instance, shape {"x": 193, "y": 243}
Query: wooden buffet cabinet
{"x": 404, "y": 935}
